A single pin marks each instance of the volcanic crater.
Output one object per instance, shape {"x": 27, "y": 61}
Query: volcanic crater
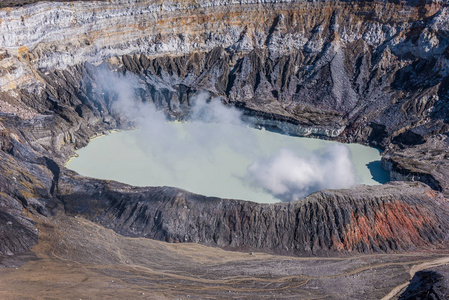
{"x": 368, "y": 72}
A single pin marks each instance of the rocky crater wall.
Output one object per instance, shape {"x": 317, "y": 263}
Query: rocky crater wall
{"x": 336, "y": 64}
{"x": 370, "y": 72}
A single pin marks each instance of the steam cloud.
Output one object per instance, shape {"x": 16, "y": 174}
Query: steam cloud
{"x": 283, "y": 174}
{"x": 290, "y": 178}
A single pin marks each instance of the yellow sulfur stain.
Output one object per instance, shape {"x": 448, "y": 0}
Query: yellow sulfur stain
{"x": 11, "y": 85}
{"x": 22, "y": 50}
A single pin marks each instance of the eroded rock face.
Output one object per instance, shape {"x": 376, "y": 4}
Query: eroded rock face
{"x": 394, "y": 217}
{"x": 426, "y": 162}
{"x": 369, "y": 72}
{"x": 17, "y": 232}
{"x": 335, "y": 69}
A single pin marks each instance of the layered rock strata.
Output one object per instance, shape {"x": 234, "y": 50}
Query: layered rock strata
{"x": 370, "y": 72}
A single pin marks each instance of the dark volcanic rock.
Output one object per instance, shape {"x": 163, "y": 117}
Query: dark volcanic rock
{"x": 401, "y": 216}
{"x": 17, "y": 232}
{"x": 427, "y": 162}
{"x": 427, "y": 284}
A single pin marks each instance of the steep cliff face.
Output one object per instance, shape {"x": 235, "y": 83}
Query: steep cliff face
{"x": 338, "y": 69}
{"x": 370, "y": 72}
{"x": 56, "y": 35}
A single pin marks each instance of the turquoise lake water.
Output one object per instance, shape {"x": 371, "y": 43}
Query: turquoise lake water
{"x": 228, "y": 161}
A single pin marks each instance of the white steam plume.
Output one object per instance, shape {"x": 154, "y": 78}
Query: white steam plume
{"x": 291, "y": 178}
{"x": 284, "y": 175}
{"x": 159, "y": 135}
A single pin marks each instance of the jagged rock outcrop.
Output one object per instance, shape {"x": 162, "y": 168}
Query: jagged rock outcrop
{"x": 371, "y": 72}
{"x": 427, "y": 284}
{"x": 424, "y": 161}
